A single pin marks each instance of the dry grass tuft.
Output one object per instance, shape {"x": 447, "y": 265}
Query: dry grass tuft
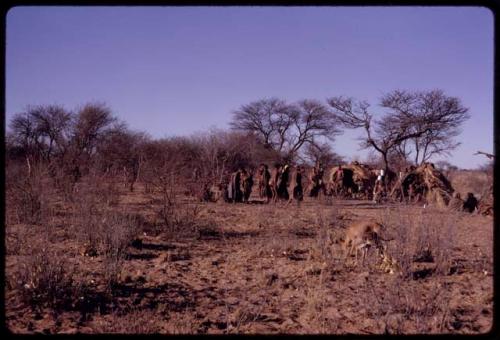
{"x": 423, "y": 236}
{"x": 46, "y": 279}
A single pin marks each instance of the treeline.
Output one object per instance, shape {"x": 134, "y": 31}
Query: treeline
{"x": 415, "y": 125}
{"x": 69, "y": 145}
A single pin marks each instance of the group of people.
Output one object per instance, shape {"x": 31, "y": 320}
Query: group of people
{"x": 282, "y": 182}
{"x": 357, "y": 181}
{"x": 470, "y": 204}
{"x": 285, "y": 182}
{"x": 240, "y": 185}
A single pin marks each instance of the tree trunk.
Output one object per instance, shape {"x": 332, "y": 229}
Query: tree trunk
{"x": 29, "y": 166}
{"x": 386, "y": 166}
{"x": 417, "y": 152}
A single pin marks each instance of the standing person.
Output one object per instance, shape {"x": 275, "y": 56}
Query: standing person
{"x": 339, "y": 179}
{"x": 316, "y": 180}
{"x": 378, "y": 188}
{"x": 319, "y": 168}
{"x": 382, "y": 173}
{"x": 234, "y": 189}
{"x": 470, "y": 204}
{"x": 230, "y": 191}
{"x": 282, "y": 185}
{"x": 312, "y": 182}
{"x": 383, "y": 182}
{"x": 273, "y": 182}
{"x": 295, "y": 185}
{"x": 264, "y": 177}
{"x": 246, "y": 182}
{"x": 411, "y": 192}
{"x": 402, "y": 174}
{"x": 320, "y": 173}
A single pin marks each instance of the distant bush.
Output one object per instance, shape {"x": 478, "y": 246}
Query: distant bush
{"x": 27, "y": 198}
{"x": 474, "y": 181}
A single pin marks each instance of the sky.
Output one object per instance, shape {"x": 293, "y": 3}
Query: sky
{"x": 174, "y": 71}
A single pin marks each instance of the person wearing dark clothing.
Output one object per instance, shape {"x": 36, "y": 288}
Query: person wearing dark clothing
{"x": 470, "y": 204}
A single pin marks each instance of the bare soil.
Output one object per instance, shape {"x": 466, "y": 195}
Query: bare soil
{"x": 257, "y": 268}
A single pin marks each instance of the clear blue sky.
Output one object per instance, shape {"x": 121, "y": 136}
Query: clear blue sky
{"x": 181, "y": 70}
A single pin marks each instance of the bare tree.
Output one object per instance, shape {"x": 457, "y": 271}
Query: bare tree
{"x": 286, "y": 127}
{"x": 24, "y": 137}
{"x": 323, "y": 154}
{"x": 386, "y": 134}
{"x": 222, "y": 152}
{"x": 40, "y": 131}
{"x": 489, "y": 166}
{"x": 489, "y": 155}
{"x": 52, "y": 124}
{"x": 439, "y": 115}
{"x": 270, "y": 119}
{"x": 89, "y": 127}
{"x": 429, "y": 119}
{"x": 120, "y": 151}
{"x": 92, "y": 120}
{"x": 164, "y": 171}
{"x": 311, "y": 121}
{"x": 167, "y": 161}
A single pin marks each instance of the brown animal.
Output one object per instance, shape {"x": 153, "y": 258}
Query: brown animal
{"x": 360, "y": 236}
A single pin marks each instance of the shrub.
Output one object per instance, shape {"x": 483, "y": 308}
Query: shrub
{"x": 117, "y": 233}
{"x": 27, "y": 196}
{"x": 401, "y": 308}
{"x": 104, "y": 231}
{"x": 178, "y": 219}
{"x": 47, "y": 279}
{"x": 92, "y": 212}
{"x": 87, "y": 217}
{"x": 420, "y": 237}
